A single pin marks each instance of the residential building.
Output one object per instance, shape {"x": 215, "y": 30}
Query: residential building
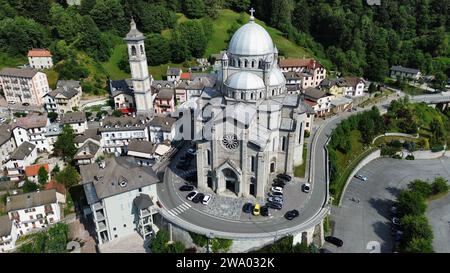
{"x": 121, "y": 196}
{"x": 76, "y": 120}
{"x": 40, "y": 58}
{"x": 60, "y": 189}
{"x": 192, "y": 88}
{"x": 92, "y": 134}
{"x": 62, "y": 100}
{"x": 23, "y": 156}
{"x": 7, "y": 143}
{"x": 317, "y": 72}
{"x": 335, "y": 87}
{"x": 354, "y": 87}
{"x": 143, "y": 152}
{"x": 24, "y": 86}
{"x": 32, "y": 172}
{"x": 162, "y": 128}
{"x": 405, "y": 72}
{"x": 52, "y": 132}
{"x": 8, "y": 234}
{"x": 33, "y": 210}
{"x": 32, "y": 128}
{"x": 173, "y": 74}
{"x": 122, "y": 95}
{"x": 88, "y": 152}
{"x": 319, "y": 100}
{"x": 117, "y": 132}
{"x": 164, "y": 101}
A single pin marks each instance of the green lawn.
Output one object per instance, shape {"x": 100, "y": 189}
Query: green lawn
{"x": 111, "y": 66}
{"x": 52, "y": 77}
{"x": 387, "y": 139}
{"x": 9, "y": 61}
{"x": 300, "y": 170}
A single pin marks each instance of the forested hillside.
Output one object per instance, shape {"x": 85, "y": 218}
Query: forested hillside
{"x": 359, "y": 39}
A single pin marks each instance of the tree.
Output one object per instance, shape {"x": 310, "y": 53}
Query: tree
{"x": 192, "y": 32}
{"x": 90, "y": 40}
{"x": 438, "y": 130}
{"x": 421, "y": 187}
{"x": 117, "y": 113}
{"x": 416, "y": 227}
{"x": 176, "y": 247}
{"x": 194, "y": 8}
{"x": 109, "y": 15}
{"x": 36, "y": 10}
{"x": 439, "y": 185}
{"x": 158, "y": 244}
{"x": 64, "y": 145}
{"x": 29, "y": 186}
{"x": 372, "y": 88}
{"x": 410, "y": 202}
{"x": 68, "y": 177}
{"x": 53, "y": 116}
{"x": 158, "y": 51}
{"x": 42, "y": 175}
{"x": 238, "y": 5}
{"x": 179, "y": 50}
{"x": 154, "y": 17}
{"x": 419, "y": 245}
{"x": 86, "y": 6}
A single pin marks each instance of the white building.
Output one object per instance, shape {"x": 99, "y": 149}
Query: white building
{"x": 76, "y": 120}
{"x": 162, "y": 128}
{"x": 117, "y": 132}
{"x": 121, "y": 196}
{"x": 40, "y": 58}
{"x": 140, "y": 77}
{"x": 52, "y": 132}
{"x": 32, "y": 128}
{"x": 249, "y": 128}
{"x": 88, "y": 152}
{"x": 8, "y": 234}
{"x": 311, "y": 67}
{"x": 173, "y": 74}
{"x": 24, "y": 86}
{"x": 142, "y": 151}
{"x": 122, "y": 95}
{"x": 319, "y": 100}
{"x": 32, "y": 172}
{"x": 34, "y": 210}
{"x": 7, "y": 143}
{"x": 62, "y": 100}
{"x": 405, "y": 72}
{"x": 23, "y": 156}
{"x": 354, "y": 87}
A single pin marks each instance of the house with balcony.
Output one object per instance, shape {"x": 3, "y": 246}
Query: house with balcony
{"x": 23, "y": 156}
{"x": 76, "y": 120}
{"x": 8, "y": 234}
{"x": 122, "y": 198}
{"x": 162, "y": 128}
{"x": 354, "y": 87}
{"x": 62, "y": 100}
{"x": 117, "y": 132}
{"x": 319, "y": 100}
{"x": 335, "y": 87}
{"x": 7, "y": 143}
{"x": 52, "y": 132}
{"x": 33, "y": 211}
{"x": 24, "y": 86}
{"x": 88, "y": 152}
{"x": 317, "y": 72}
{"x": 33, "y": 129}
{"x": 142, "y": 151}
{"x": 122, "y": 95}
{"x": 164, "y": 101}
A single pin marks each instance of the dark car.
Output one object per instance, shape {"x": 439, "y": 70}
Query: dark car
{"x": 272, "y": 194}
{"x": 279, "y": 180}
{"x": 199, "y": 197}
{"x": 334, "y": 240}
{"x": 278, "y": 184}
{"x": 25, "y": 104}
{"x": 284, "y": 176}
{"x": 247, "y": 208}
{"x": 291, "y": 214}
{"x": 186, "y": 188}
{"x": 276, "y": 206}
{"x": 264, "y": 211}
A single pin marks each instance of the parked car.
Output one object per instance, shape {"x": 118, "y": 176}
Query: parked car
{"x": 191, "y": 151}
{"x": 396, "y": 221}
{"x": 265, "y": 211}
{"x": 206, "y": 199}
{"x": 273, "y": 205}
{"x": 2, "y": 120}
{"x": 284, "y": 177}
{"x": 199, "y": 197}
{"x": 394, "y": 211}
{"x": 247, "y": 208}
{"x": 276, "y": 189}
{"x": 334, "y": 240}
{"x": 306, "y": 187}
{"x": 186, "y": 188}
{"x": 291, "y": 214}
{"x": 25, "y": 104}
{"x": 277, "y": 184}
{"x": 278, "y": 180}
{"x": 361, "y": 177}
{"x": 272, "y": 194}
{"x": 191, "y": 195}
{"x": 275, "y": 199}
{"x": 256, "y": 209}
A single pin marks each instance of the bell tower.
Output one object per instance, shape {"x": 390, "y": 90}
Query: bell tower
{"x": 139, "y": 70}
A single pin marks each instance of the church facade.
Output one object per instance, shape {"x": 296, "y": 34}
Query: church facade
{"x": 251, "y": 129}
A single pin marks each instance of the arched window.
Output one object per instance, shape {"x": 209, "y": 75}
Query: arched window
{"x": 273, "y": 92}
{"x": 239, "y": 63}
{"x": 142, "y": 50}
{"x": 260, "y": 95}
{"x": 260, "y": 64}
{"x": 252, "y": 96}
{"x": 246, "y": 63}
{"x": 133, "y": 51}
{"x": 242, "y": 95}
{"x": 253, "y": 63}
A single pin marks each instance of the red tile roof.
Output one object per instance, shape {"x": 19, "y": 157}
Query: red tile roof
{"x": 308, "y": 63}
{"x": 34, "y": 169}
{"x": 185, "y": 76}
{"x": 55, "y": 185}
{"x": 39, "y": 52}
{"x": 310, "y": 102}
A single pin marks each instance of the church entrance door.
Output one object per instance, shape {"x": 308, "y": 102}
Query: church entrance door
{"x": 252, "y": 189}
{"x": 231, "y": 180}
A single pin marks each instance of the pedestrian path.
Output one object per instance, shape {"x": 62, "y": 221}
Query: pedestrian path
{"x": 179, "y": 209}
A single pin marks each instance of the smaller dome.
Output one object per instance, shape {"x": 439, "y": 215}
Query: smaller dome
{"x": 245, "y": 81}
{"x": 276, "y": 78}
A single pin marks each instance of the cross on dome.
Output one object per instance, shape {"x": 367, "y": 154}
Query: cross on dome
{"x": 252, "y": 18}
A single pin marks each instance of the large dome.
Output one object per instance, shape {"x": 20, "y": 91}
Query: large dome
{"x": 251, "y": 39}
{"x": 276, "y": 77}
{"x": 245, "y": 81}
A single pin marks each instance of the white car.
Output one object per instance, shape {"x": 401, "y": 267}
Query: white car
{"x": 306, "y": 187}
{"x": 396, "y": 221}
{"x": 191, "y": 195}
{"x": 2, "y": 120}
{"x": 192, "y": 151}
{"x": 206, "y": 199}
{"x": 277, "y": 189}
{"x": 361, "y": 177}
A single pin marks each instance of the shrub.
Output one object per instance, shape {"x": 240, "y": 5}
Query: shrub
{"x": 221, "y": 245}
{"x": 410, "y": 202}
{"x": 421, "y": 187}
{"x": 437, "y": 148}
{"x": 307, "y": 134}
{"x": 396, "y": 156}
{"x": 410, "y": 157}
{"x": 198, "y": 239}
{"x": 440, "y": 185}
